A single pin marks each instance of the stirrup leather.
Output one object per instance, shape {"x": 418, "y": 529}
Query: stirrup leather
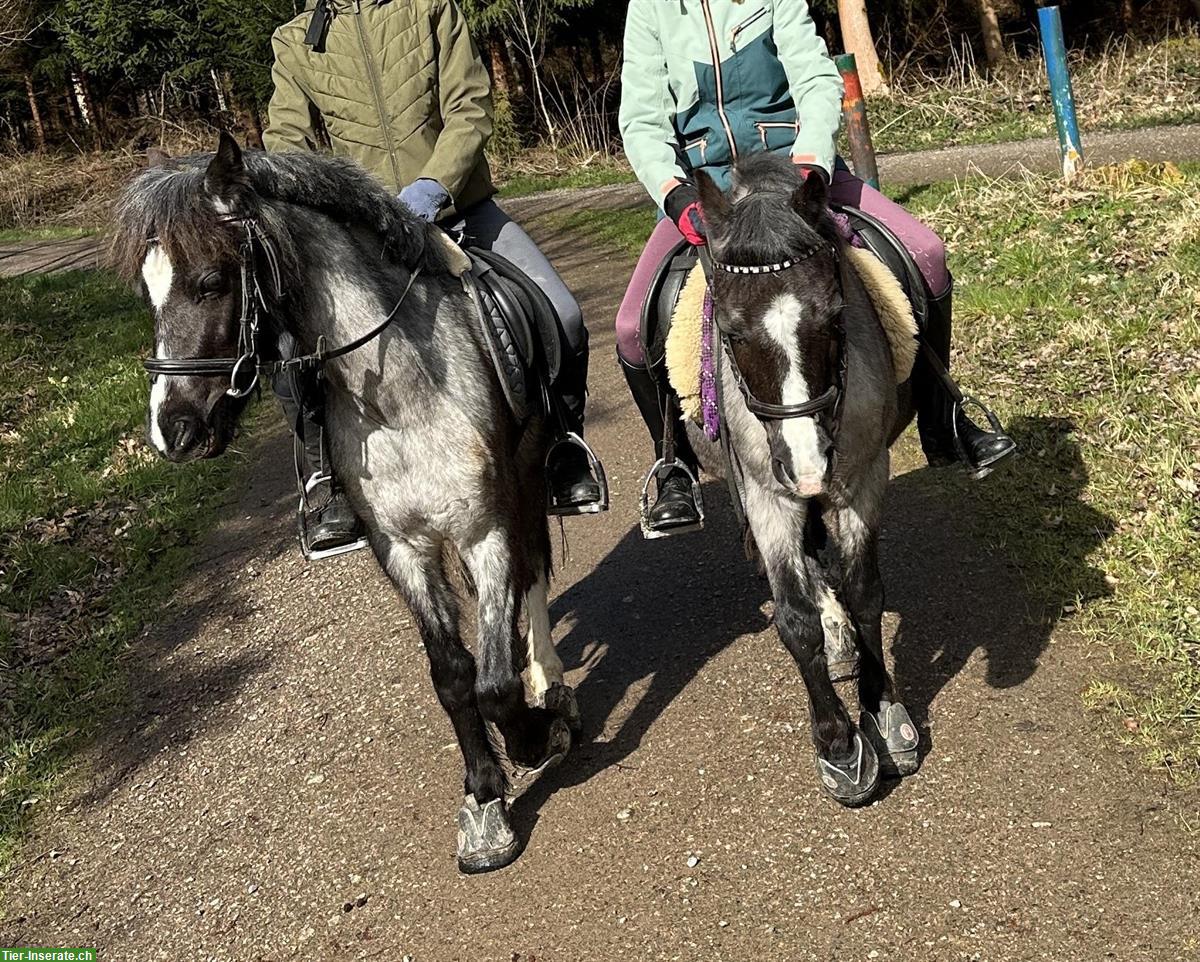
{"x": 661, "y": 469}
{"x": 568, "y": 510}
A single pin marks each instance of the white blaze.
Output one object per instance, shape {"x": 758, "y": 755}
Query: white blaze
{"x": 159, "y": 275}
{"x": 800, "y": 434}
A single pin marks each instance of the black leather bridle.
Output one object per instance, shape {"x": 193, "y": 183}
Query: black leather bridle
{"x": 255, "y": 305}
{"x": 764, "y": 410}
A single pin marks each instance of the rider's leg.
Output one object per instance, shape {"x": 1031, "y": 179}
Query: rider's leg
{"x": 487, "y": 226}
{"x": 332, "y": 524}
{"x": 675, "y": 507}
{"x": 947, "y": 433}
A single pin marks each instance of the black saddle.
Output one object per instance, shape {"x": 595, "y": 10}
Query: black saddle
{"x": 672, "y": 274}
{"x": 520, "y": 328}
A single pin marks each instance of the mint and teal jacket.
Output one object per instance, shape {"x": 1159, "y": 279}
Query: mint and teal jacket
{"x": 706, "y": 81}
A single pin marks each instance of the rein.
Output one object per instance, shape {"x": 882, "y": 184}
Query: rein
{"x": 254, "y": 306}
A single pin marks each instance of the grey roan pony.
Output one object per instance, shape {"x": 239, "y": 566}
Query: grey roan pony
{"x": 810, "y": 409}
{"x": 233, "y": 249}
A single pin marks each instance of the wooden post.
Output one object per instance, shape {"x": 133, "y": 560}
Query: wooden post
{"x": 858, "y": 127}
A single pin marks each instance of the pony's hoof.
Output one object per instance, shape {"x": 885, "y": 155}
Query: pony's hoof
{"x": 560, "y": 699}
{"x": 486, "y": 840}
{"x": 558, "y": 744}
{"x": 894, "y": 737}
{"x": 851, "y": 781}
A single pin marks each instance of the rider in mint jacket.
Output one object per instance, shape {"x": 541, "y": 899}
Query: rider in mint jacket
{"x": 706, "y": 82}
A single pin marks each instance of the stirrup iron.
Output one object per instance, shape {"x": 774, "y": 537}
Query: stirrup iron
{"x": 660, "y": 469}
{"x": 570, "y": 510}
{"x": 977, "y": 472}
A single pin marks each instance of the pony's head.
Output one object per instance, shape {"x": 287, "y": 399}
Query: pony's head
{"x": 179, "y": 238}
{"x": 216, "y": 240}
{"x": 781, "y": 318}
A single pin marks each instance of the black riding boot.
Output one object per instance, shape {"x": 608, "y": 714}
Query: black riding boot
{"x": 675, "y": 509}
{"x": 947, "y": 433}
{"x": 330, "y": 526}
{"x": 576, "y": 483}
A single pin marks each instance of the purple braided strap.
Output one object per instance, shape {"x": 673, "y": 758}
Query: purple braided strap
{"x": 708, "y": 380}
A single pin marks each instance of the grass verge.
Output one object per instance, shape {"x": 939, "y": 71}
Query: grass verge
{"x": 599, "y": 175}
{"x": 14, "y": 235}
{"x": 1127, "y": 86}
{"x": 1079, "y": 321}
{"x": 94, "y": 530}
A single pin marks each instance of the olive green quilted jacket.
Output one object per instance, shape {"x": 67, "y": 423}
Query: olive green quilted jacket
{"x": 400, "y": 87}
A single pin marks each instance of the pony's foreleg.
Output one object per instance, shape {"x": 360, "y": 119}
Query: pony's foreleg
{"x": 545, "y": 667}
{"x": 532, "y": 736}
{"x": 416, "y": 568}
{"x": 885, "y": 722}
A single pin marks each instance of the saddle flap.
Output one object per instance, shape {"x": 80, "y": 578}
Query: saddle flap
{"x": 520, "y": 327}
{"x": 665, "y": 289}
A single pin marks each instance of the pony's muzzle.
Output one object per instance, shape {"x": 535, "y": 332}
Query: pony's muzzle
{"x": 185, "y": 437}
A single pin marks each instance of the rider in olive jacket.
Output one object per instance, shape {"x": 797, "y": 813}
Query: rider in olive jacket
{"x": 399, "y": 87}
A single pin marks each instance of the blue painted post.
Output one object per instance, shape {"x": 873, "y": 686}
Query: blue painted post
{"x": 1069, "y": 145}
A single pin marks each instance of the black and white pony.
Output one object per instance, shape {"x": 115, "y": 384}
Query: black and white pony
{"x": 231, "y": 251}
{"x": 810, "y": 407}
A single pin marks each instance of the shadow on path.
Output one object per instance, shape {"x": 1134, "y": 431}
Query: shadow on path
{"x": 659, "y": 611}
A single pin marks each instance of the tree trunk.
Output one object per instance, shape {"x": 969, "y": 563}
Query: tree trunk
{"x": 856, "y": 34}
{"x": 993, "y": 41}
{"x": 1128, "y": 17}
{"x": 81, "y": 99}
{"x": 501, "y": 69}
{"x": 222, "y": 100}
{"x": 597, "y": 54}
{"x": 39, "y": 126}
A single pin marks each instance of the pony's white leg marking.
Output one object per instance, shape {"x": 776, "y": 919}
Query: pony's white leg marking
{"x": 159, "y": 275}
{"x": 545, "y": 667}
{"x": 834, "y": 619}
{"x": 808, "y": 461}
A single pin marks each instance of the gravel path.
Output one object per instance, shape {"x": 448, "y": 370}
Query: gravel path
{"x": 283, "y": 783}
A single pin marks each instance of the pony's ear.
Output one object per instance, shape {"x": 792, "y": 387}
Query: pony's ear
{"x": 712, "y": 199}
{"x": 811, "y": 198}
{"x": 157, "y": 157}
{"x": 226, "y": 179}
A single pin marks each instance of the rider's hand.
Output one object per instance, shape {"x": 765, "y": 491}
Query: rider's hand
{"x": 425, "y": 198}
{"x": 683, "y": 207}
{"x": 805, "y": 170}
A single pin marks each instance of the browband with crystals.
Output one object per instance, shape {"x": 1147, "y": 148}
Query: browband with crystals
{"x": 778, "y": 268}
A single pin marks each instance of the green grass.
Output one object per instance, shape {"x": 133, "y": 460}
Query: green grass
{"x": 1078, "y": 319}
{"x": 94, "y": 530}
{"x": 521, "y": 185}
{"x": 1126, "y": 87}
{"x": 14, "y": 235}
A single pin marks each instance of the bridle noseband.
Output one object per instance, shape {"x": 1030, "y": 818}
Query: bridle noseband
{"x": 255, "y": 306}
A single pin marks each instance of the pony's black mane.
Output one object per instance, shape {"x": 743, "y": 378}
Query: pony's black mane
{"x": 171, "y": 204}
{"x": 767, "y": 224}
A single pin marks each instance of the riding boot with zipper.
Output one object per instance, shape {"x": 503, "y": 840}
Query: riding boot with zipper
{"x": 675, "y": 506}
{"x": 947, "y": 433}
{"x": 574, "y": 487}
{"x": 332, "y": 525}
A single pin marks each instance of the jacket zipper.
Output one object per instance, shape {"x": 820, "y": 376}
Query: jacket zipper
{"x": 764, "y": 126}
{"x": 702, "y": 143}
{"x": 377, "y": 87}
{"x": 743, "y": 25}
{"x": 716, "y": 57}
